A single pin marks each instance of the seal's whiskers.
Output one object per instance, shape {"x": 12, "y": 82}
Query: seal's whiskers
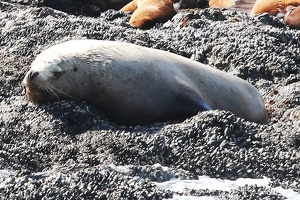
{"x": 48, "y": 90}
{"x": 72, "y": 97}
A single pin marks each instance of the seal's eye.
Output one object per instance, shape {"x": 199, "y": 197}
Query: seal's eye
{"x": 75, "y": 69}
{"x": 57, "y": 74}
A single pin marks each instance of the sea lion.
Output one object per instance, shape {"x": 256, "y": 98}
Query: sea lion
{"x": 221, "y": 3}
{"x": 273, "y": 7}
{"x": 292, "y": 17}
{"x": 148, "y": 12}
{"x": 134, "y": 85}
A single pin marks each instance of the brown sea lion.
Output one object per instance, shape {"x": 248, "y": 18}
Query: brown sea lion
{"x": 141, "y": 87}
{"x": 273, "y": 7}
{"x": 292, "y": 17}
{"x": 148, "y": 12}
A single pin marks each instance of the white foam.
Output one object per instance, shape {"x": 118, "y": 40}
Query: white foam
{"x": 205, "y": 182}
{"x": 177, "y": 197}
{"x": 6, "y": 173}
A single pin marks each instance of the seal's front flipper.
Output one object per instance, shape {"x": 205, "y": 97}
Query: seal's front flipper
{"x": 184, "y": 107}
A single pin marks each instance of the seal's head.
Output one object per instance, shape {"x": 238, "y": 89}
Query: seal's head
{"x": 46, "y": 81}
{"x": 292, "y": 17}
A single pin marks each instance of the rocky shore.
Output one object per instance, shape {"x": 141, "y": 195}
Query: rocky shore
{"x": 69, "y": 150}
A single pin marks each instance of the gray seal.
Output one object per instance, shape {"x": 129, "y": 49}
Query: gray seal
{"x": 135, "y": 85}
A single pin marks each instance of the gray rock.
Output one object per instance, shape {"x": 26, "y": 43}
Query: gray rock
{"x": 65, "y": 149}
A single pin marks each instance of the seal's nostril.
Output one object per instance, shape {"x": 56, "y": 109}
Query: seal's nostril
{"x": 32, "y": 75}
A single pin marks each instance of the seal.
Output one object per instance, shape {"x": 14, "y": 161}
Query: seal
{"x": 146, "y": 13}
{"x": 273, "y": 7}
{"x": 141, "y": 87}
{"x": 292, "y": 17}
{"x": 221, "y": 3}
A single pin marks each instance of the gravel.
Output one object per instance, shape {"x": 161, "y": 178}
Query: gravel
{"x": 69, "y": 149}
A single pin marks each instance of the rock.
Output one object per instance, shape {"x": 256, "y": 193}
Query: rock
{"x": 66, "y": 149}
